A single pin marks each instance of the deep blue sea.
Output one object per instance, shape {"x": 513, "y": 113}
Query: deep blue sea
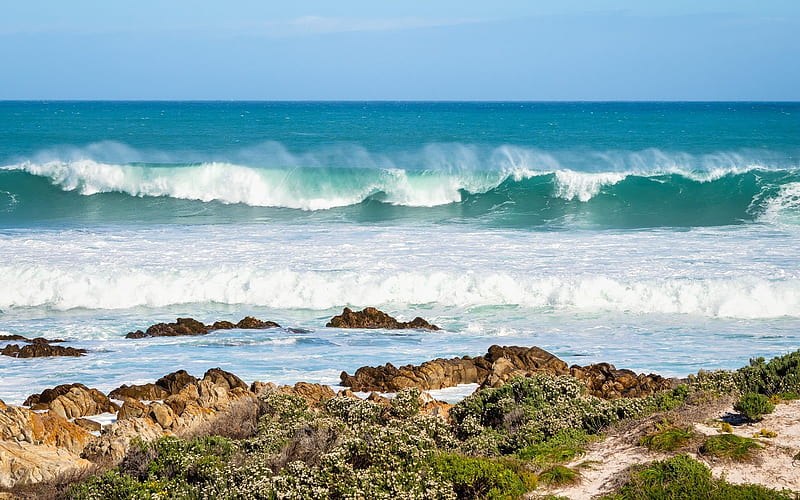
{"x": 657, "y": 236}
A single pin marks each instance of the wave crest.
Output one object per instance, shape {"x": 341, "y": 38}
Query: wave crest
{"x": 62, "y": 289}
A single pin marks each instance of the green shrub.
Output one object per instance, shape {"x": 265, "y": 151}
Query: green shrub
{"x": 354, "y": 411}
{"x": 667, "y": 437}
{"x": 754, "y": 406}
{"x": 730, "y": 446}
{"x": 114, "y": 485}
{"x": 717, "y": 381}
{"x": 681, "y": 477}
{"x": 560, "y": 448}
{"x": 406, "y": 403}
{"x": 780, "y": 375}
{"x": 473, "y": 477}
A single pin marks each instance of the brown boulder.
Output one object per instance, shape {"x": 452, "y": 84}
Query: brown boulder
{"x": 13, "y": 337}
{"x": 258, "y": 387}
{"x": 162, "y": 415}
{"x": 145, "y": 392}
{"x": 190, "y": 326}
{"x": 182, "y": 326}
{"x": 86, "y": 424}
{"x": 37, "y": 340}
{"x": 71, "y": 401}
{"x": 24, "y": 464}
{"x": 606, "y": 381}
{"x": 132, "y": 408}
{"x": 370, "y": 317}
{"x": 226, "y": 380}
{"x": 499, "y": 365}
{"x": 435, "y": 374}
{"x": 40, "y": 350}
{"x": 175, "y": 381}
{"x": 22, "y": 424}
{"x": 223, "y": 325}
{"x": 251, "y": 323}
{"x": 115, "y": 440}
{"x": 314, "y": 394}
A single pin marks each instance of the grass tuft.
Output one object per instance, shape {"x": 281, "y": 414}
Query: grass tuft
{"x": 667, "y": 437}
{"x": 559, "y": 475}
{"x": 730, "y": 446}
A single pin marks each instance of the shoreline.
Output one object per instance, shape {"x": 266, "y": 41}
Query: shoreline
{"x": 73, "y": 434}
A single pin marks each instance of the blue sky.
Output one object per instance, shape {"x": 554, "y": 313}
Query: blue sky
{"x": 438, "y": 50}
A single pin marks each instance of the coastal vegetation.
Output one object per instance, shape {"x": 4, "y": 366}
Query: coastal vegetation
{"x": 498, "y": 443}
{"x": 529, "y": 428}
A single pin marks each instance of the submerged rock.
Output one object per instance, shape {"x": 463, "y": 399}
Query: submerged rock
{"x": 37, "y": 340}
{"x": 371, "y": 317}
{"x": 190, "y": 326}
{"x": 40, "y": 350}
{"x": 251, "y": 323}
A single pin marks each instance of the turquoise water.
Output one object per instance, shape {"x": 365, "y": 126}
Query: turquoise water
{"x": 657, "y": 236}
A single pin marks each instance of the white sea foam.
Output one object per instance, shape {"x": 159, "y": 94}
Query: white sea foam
{"x": 744, "y": 297}
{"x": 785, "y": 206}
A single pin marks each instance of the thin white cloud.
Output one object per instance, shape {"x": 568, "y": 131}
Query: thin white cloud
{"x": 318, "y": 25}
{"x": 299, "y": 26}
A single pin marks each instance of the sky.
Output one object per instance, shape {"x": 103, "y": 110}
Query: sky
{"x": 401, "y": 50}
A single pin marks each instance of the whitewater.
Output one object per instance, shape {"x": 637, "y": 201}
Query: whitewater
{"x": 656, "y": 236}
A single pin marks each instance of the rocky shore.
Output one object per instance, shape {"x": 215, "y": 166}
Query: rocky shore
{"x": 529, "y": 429}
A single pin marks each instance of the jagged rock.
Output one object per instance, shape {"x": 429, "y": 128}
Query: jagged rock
{"x": 40, "y": 350}
{"x": 72, "y": 401}
{"x": 224, "y": 379}
{"x": 434, "y": 374}
{"x": 14, "y": 337}
{"x": 37, "y": 340}
{"x": 190, "y": 326}
{"x": 182, "y": 326}
{"x": 89, "y": 425}
{"x": 115, "y": 440}
{"x": 132, "y": 408}
{"x": 370, "y": 317}
{"x": 22, "y": 424}
{"x": 314, "y": 394}
{"x": 2, "y": 405}
{"x": 162, "y": 415}
{"x": 175, "y": 381}
{"x": 259, "y": 387}
{"x": 508, "y": 362}
{"x": 499, "y": 365}
{"x": 183, "y": 397}
{"x": 145, "y": 392}
{"x": 23, "y": 464}
{"x": 606, "y": 381}
{"x": 251, "y": 323}
{"x": 223, "y": 325}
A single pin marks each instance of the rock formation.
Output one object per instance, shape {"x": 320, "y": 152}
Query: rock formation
{"x": 72, "y": 401}
{"x": 370, "y": 317}
{"x": 190, "y": 326}
{"x": 37, "y": 340}
{"x": 39, "y": 350}
{"x": 498, "y": 366}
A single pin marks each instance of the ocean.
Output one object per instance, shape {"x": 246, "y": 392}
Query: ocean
{"x": 656, "y": 236}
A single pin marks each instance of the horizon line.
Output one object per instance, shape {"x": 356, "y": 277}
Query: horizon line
{"x": 444, "y": 101}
